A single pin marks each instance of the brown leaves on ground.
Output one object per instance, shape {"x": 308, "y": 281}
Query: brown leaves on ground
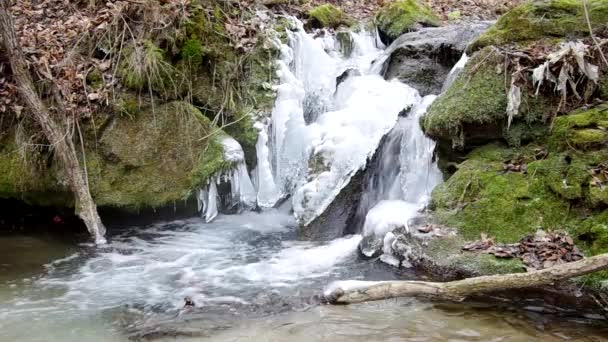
{"x": 538, "y": 251}
{"x": 599, "y": 175}
{"x": 472, "y": 9}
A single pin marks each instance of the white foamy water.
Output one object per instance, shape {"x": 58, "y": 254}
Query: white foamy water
{"x": 235, "y": 262}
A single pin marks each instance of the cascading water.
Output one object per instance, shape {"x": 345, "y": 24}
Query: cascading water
{"x": 400, "y": 185}
{"x": 324, "y": 132}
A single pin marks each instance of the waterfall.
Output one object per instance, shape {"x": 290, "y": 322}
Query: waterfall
{"x": 331, "y": 112}
{"x": 401, "y": 180}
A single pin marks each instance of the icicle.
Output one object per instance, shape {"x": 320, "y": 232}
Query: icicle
{"x": 208, "y": 198}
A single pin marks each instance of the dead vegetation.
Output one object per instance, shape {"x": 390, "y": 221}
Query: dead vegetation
{"x": 538, "y": 251}
{"x": 572, "y": 71}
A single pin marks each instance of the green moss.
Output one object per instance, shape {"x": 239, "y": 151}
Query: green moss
{"x": 480, "y": 198}
{"x": 454, "y": 16}
{"x": 538, "y": 19}
{"x": 328, "y": 16}
{"x": 193, "y": 52}
{"x": 127, "y": 105}
{"x": 555, "y": 193}
{"x": 95, "y": 79}
{"x": 30, "y": 180}
{"x": 144, "y": 66}
{"x": 604, "y": 87}
{"x": 154, "y": 159}
{"x": 582, "y": 129}
{"x": 401, "y": 16}
{"x": 473, "y": 109}
{"x": 598, "y": 195}
{"x": 447, "y": 253}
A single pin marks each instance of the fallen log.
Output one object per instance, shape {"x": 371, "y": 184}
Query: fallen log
{"x": 348, "y": 292}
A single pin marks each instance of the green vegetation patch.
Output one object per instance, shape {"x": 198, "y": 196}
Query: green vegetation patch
{"x": 402, "y": 16}
{"x": 473, "y": 109}
{"x": 329, "y": 16}
{"x": 555, "y": 190}
{"x": 24, "y": 177}
{"x": 539, "y": 19}
{"x": 154, "y": 159}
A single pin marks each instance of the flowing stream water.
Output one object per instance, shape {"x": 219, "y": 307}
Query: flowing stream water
{"x": 251, "y": 275}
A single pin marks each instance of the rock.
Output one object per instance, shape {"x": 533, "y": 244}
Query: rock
{"x": 345, "y": 39}
{"x": 423, "y": 59}
{"x": 472, "y": 111}
{"x": 328, "y": 16}
{"x": 350, "y": 72}
{"x": 149, "y": 160}
{"x": 402, "y": 16}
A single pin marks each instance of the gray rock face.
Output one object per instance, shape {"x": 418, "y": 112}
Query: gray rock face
{"x": 423, "y": 59}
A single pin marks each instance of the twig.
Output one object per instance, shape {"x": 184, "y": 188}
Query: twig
{"x": 591, "y": 33}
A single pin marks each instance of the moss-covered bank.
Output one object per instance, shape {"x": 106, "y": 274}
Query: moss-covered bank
{"x": 534, "y": 20}
{"x": 155, "y": 141}
{"x": 556, "y": 188}
{"x": 545, "y": 170}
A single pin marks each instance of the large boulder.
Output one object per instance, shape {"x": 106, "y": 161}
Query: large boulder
{"x": 472, "y": 111}
{"x": 150, "y": 159}
{"x": 546, "y": 169}
{"x": 402, "y": 16}
{"x": 423, "y": 59}
{"x": 556, "y": 182}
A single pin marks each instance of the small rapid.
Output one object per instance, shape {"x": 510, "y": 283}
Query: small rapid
{"x": 242, "y": 265}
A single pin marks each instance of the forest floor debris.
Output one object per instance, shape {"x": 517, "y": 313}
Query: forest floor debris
{"x": 538, "y": 251}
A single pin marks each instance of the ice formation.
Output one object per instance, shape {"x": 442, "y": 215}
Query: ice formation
{"x": 242, "y": 193}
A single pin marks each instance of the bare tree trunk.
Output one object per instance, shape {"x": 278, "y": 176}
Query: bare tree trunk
{"x": 460, "y": 289}
{"x": 63, "y": 145}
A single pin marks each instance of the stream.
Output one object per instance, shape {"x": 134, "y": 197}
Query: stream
{"x": 253, "y": 276}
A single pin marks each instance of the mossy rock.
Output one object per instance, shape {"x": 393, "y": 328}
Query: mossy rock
{"x": 555, "y": 193}
{"x": 328, "y": 16}
{"x": 481, "y": 198}
{"x": 154, "y": 159}
{"x": 473, "y": 109}
{"x": 402, "y": 16}
{"x": 584, "y": 129}
{"x": 29, "y": 179}
{"x": 544, "y": 19}
{"x": 446, "y": 254}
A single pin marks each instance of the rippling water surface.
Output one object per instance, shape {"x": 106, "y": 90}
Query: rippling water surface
{"x": 251, "y": 278}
